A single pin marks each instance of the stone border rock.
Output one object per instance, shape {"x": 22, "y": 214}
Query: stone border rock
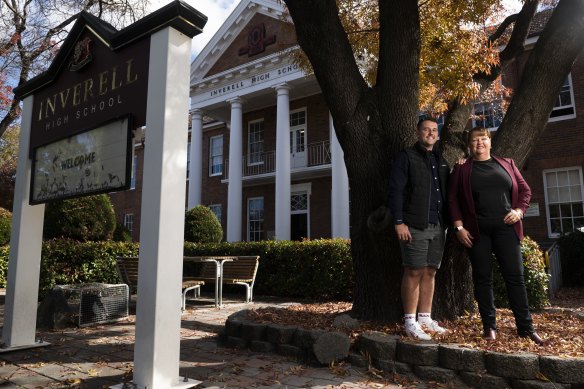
{"x": 445, "y": 363}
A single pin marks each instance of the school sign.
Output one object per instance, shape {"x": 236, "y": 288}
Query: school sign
{"x": 78, "y": 121}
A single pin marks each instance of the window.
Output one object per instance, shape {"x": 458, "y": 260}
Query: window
{"x": 216, "y": 155}
{"x": 255, "y": 219}
{"x": 564, "y": 105}
{"x": 564, "y": 202}
{"x": 216, "y": 209}
{"x": 188, "y": 160}
{"x": 133, "y": 176}
{"x": 129, "y": 221}
{"x": 487, "y": 115}
{"x": 255, "y": 144}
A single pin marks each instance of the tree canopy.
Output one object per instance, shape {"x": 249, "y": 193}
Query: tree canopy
{"x": 32, "y": 31}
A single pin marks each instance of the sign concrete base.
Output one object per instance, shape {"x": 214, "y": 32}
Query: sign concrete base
{"x": 24, "y": 347}
{"x": 184, "y": 383}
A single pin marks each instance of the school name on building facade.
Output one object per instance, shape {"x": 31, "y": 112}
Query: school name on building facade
{"x": 254, "y": 80}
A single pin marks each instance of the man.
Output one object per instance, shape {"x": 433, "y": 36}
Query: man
{"x": 417, "y": 196}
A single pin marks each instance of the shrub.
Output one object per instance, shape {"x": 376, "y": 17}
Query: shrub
{"x": 536, "y": 278}
{"x": 122, "y": 234}
{"x": 202, "y": 226}
{"x": 319, "y": 269}
{"x": 572, "y": 258}
{"x": 89, "y": 218}
{"x": 5, "y": 226}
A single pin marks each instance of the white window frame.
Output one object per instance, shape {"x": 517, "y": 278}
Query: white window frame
{"x": 217, "y": 209}
{"x": 251, "y": 124}
{"x": 293, "y": 128}
{"x": 547, "y": 201}
{"x": 571, "y": 105}
{"x": 129, "y": 222}
{"x": 211, "y": 156}
{"x": 249, "y": 220}
{"x": 483, "y": 104}
{"x": 305, "y": 188}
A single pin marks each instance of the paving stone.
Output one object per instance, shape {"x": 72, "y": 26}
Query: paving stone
{"x": 435, "y": 373}
{"x": 261, "y": 346}
{"x": 454, "y": 357}
{"x": 483, "y": 380}
{"x": 535, "y": 384}
{"x": 417, "y": 353}
{"x": 565, "y": 370}
{"x": 280, "y": 334}
{"x": 253, "y": 331}
{"x": 516, "y": 366}
{"x": 378, "y": 345}
{"x": 331, "y": 346}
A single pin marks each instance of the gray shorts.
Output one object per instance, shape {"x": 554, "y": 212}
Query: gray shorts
{"x": 425, "y": 249}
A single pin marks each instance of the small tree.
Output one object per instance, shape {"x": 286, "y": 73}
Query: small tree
{"x": 202, "y": 226}
{"x": 90, "y": 218}
{"x": 5, "y": 222}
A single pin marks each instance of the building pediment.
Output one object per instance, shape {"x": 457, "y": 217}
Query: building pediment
{"x": 255, "y": 29}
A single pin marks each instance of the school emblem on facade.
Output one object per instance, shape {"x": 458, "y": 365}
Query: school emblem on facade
{"x": 81, "y": 56}
{"x": 257, "y": 41}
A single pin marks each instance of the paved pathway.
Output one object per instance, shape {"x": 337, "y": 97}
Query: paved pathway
{"x": 101, "y": 356}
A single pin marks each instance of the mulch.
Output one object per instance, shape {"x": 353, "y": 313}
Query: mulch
{"x": 561, "y": 324}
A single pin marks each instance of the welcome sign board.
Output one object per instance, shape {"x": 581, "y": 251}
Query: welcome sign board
{"x": 95, "y": 161}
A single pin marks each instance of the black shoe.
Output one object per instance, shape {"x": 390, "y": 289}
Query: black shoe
{"x": 489, "y": 335}
{"x": 534, "y": 337}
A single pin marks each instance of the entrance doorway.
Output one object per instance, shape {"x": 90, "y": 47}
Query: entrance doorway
{"x": 299, "y": 215}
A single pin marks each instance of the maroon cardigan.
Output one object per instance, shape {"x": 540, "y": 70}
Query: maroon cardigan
{"x": 460, "y": 202}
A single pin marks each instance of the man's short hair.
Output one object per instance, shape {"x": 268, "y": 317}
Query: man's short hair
{"x": 425, "y": 119}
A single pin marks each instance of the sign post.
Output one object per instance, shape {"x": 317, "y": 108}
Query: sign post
{"x": 77, "y": 125}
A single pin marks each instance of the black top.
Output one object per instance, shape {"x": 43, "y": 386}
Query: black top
{"x": 435, "y": 211}
{"x": 491, "y": 189}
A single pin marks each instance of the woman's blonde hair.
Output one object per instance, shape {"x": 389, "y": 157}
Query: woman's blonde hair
{"x": 482, "y": 131}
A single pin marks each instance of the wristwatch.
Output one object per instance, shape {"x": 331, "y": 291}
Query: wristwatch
{"x": 459, "y": 228}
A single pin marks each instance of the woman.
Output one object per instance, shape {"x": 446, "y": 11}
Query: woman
{"x": 487, "y": 197}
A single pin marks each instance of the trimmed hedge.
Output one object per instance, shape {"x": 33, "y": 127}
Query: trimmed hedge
{"x": 319, "y": 269}
{"x": 5, "y": 226}
{"x": 313, "y": 269}
{"x": 536, "y": 278}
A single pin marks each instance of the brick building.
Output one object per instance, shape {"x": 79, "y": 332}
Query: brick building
{"x": 263, "y": 154}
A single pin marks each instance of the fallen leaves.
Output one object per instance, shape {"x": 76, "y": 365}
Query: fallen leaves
{"x": 563, "y": 329}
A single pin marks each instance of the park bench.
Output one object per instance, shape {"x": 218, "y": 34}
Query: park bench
{"x": 127, "y": 268}
{"x": 241, "y": 271}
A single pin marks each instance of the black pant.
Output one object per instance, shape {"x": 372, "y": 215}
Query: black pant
{"x": 499, "y": 239}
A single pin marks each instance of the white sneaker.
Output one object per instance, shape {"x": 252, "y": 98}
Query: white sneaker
{"x": 432, "y": 326}
{"x": 416, "y": 332}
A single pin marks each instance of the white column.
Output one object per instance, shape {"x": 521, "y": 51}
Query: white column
{"x": 282, "y": 209}
{"x": 340, "y": 188}
{"x": 158, "y": 311}
{"x": 234, "y": 193}
{"x": 196, "y": 166}
{"x": 20, "y": 309}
